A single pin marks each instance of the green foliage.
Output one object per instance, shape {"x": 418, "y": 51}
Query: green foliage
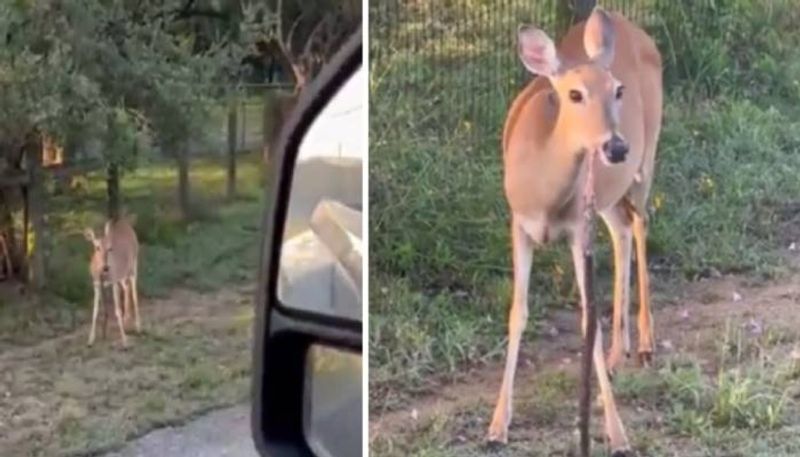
{"x": 89, "y": 69}
{"x": 726, "y": 164}
{"x": 728, "y": 47}
{"x": 726, "y": 168}
{"x": 417, "y": 338}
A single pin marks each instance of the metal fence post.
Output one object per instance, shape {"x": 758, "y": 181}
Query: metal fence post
{"x": 570, "y": 12}
{"x": 243, "y": 124}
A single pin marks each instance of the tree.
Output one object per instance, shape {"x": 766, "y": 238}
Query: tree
{"x": 301, "y": 37}
{"x": 119, "y": 71}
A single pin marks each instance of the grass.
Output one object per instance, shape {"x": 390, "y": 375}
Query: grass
{"x": 62, "y": 398}
{"x": 724, "y": 201}
{"x": 740, "y": 407}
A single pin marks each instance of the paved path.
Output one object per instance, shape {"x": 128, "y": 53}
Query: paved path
{"x": 223, "y": 433}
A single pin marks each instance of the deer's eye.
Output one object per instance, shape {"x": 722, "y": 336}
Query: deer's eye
{"x": 620, "y": 92}
{"x": 576, "y": 96}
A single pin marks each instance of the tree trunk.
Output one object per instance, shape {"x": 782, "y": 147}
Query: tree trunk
{"x": 13, "y": 198}
{"x": 61, "y": 182}
{"x": 232, "y": 131}
{"x": 183, "y": 182}
{"x": 112, "y": 191}
{"x": 266, "y": 125}
{"x": 16, "y": 253}
{"x": 37, "y": 266}
{"x": 277, "y": 108}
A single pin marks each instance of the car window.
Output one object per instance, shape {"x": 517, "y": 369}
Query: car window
{"x": 321, "y": 254}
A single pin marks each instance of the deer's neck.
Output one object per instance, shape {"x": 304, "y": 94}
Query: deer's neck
{"x": 559, "y": 162}
{"x": 542, "y": 165}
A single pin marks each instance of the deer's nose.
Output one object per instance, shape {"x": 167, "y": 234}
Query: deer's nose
{"x": 615, "y": 149}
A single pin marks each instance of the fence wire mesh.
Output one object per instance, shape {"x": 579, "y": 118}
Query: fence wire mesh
{"x": 451, "y": 66}
{"x": 253, "y": 122}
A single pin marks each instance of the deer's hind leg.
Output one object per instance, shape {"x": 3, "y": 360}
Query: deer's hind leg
{"x": 618, "y": 220}
{"x": 645, "y": 349}
{"x": 118, "y": 313}
{"x": 126, "y": 300}
{"x": 135, "y": 299}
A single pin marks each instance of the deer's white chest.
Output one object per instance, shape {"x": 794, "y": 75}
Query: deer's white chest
{"x": 540, "y": 228}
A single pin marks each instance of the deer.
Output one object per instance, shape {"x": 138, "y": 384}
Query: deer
{"x": 114, "y": 263}
{"x": 598, "y": 95}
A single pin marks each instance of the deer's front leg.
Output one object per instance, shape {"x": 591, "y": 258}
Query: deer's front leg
{"x": 522, "y": 248}
{"x": 95, "y": 309}
{"x": 613, "y": 424}
{"x": 118, "y": 312}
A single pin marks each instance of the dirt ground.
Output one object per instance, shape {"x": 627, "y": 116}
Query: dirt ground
{"x": 60, "y": 397}
{"x": 691, "y": 324}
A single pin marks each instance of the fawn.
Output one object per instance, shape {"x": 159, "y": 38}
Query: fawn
{"x": 114, "y": 263}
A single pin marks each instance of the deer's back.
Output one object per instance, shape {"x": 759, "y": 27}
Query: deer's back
{"x": 123, "y": 258}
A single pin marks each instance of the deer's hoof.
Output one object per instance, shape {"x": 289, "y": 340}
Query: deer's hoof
{"x": 611, "y": 372}
{"x": 645, "y": 359}
{"x": 497, "y": 437}
{"x": 614, "y": 360}
{"x": 493, "y": 446}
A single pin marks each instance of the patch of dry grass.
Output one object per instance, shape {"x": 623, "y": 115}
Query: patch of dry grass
{"x": 60, "y": 397}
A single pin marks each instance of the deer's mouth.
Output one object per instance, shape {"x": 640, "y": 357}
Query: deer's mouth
{"x": 604, "y": 159}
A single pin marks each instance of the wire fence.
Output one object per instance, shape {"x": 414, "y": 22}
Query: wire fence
{"x": 249, "y": 128}
{"x": 253, "y": 122}
{"x": 451, "y": 66}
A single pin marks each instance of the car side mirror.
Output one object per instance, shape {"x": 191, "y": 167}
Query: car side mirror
{"x": 307, "y": 370}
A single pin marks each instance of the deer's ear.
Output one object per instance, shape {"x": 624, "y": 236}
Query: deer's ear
{"x": 537, "y": 51}
{"x": 89, "y": 235}
{"x": 598, "y": 38}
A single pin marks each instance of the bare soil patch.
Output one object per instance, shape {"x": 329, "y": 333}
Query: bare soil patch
{"x": 692, "y": 324}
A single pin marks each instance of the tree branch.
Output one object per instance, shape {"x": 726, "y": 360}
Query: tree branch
{"x": 287, "y": 47}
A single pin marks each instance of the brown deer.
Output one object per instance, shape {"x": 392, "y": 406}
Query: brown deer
{"x": 114, "y": 263}
{"x": 600, "y": 92}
